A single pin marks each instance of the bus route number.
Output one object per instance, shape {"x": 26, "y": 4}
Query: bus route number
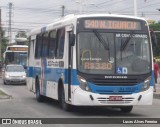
{"x": 98, "y": 66}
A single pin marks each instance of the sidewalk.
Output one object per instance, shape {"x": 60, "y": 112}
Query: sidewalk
{"x": 4, "y": 95}
{"x": 157, "y": 93}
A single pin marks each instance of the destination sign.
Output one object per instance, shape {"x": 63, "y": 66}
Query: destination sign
{"x": 112, "y": 24}
{"x": 18, "y": 49}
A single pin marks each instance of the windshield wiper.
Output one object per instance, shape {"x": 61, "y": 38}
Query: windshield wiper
{"x": 101, "y": 39}
{"x": 123, "y": 46}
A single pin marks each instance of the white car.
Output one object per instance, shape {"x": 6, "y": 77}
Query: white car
{"x": 14, "y": 74}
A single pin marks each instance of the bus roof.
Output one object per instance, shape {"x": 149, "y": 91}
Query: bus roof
{"x": 70, "y": 18}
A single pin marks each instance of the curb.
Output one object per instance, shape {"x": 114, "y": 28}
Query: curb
{"x": 5, "y": 96}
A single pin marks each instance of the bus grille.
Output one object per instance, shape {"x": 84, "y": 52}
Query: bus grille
{"x": 114, "y": 82}
{"x": 115, "y": 92}
{"x": 123, "y": 101}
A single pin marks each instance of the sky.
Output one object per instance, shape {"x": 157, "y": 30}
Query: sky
{"x": 29, "y": 14}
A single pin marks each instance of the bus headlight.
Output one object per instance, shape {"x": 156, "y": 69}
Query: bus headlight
{"x": 83, "y": 83}
{"x": 146, "y": 84}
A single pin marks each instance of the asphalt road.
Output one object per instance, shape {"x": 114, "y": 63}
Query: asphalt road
{"x": 23, "y": 104}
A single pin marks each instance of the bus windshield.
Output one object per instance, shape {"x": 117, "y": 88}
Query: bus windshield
{"x": 113, "y": 53}
{"x": 16, "y": 58}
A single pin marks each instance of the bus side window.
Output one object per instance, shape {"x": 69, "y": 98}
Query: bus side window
{"x": 52, "y": 44}
{"x": 38, "y": 46}
{"x": 60, "y": 43}
{"x": 45, "y": 45}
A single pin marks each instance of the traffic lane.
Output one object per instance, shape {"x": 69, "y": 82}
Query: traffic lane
{"x": 51, "y": 109}
{"x": 49, "y": 105}
{"x": 26, "y": 102}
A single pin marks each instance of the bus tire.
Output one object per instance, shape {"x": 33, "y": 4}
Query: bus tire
{"x": 63, "y": 103}
{"x": 4, "y": 83}
{"x": 126, "y": 109}
{"x": 39, "y": 97}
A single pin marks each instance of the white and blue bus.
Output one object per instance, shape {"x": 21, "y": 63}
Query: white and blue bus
{"x": 92, "y": 60}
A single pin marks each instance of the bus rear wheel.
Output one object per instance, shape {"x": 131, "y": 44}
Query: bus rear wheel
{"x": 39, "y": 97}
{"x": 63, "y": 103}
{"x": 126, "y": 109}
{"x": 4, "y": 83}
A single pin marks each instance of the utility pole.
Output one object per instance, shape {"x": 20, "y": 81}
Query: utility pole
{"x": 10, "y": 23}
{"x": 63, "y": 7}
{"x": 143, "y": 15}
{"x": 80, "y": 2}
{"x": 135, "y": 7}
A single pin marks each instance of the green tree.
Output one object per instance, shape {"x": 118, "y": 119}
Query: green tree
{"x": 4, "y": 42}
{"x": 156, "y": 49}
{"x": 22, "y": 34}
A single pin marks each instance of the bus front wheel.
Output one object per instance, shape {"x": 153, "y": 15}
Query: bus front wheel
{"x": 63, "y": 103}
{"x": 39, "y": 97}
{"x": 126, "y": 109}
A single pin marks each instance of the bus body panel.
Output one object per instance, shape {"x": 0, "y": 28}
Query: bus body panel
{"x": 49, "y": 71}
{"x": 31, "y": 65}
{"x": 83, "y": 98}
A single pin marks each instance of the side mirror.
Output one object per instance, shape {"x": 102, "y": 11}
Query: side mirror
{"x": 153, "y": 38}
{"x": 71, "y": 39}
{"x": 25, "y": 67}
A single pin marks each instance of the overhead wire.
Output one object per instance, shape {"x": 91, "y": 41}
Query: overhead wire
{"x": 139, "y": 7}
{"x": 56, "y": 10}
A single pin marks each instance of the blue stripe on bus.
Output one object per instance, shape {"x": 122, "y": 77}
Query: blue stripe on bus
{"x": 152, "y": 79}
{"x": 54, "y": 74}
{"x": 115, "y": 89}
{"x": 119, "y": 89}
{"x": 30, "y": 72}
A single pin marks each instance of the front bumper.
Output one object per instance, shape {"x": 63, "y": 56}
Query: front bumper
{"x": 83, "y": 98}
{"x": 15, "y": 80}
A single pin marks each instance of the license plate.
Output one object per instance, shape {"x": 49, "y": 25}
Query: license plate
{"x": 115, "y": 98}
